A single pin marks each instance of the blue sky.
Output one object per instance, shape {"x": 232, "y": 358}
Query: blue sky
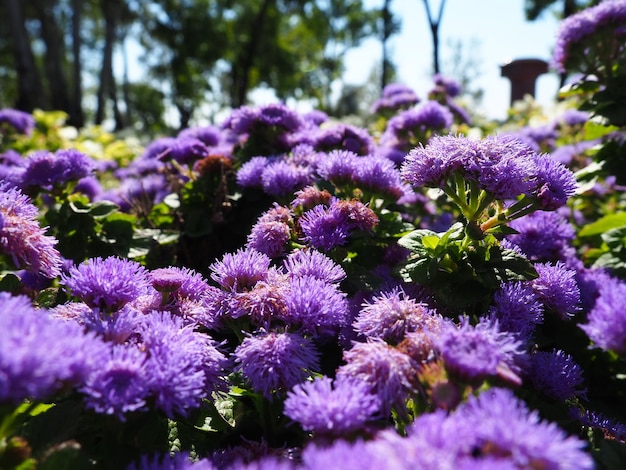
{"x": 497, "y": 27}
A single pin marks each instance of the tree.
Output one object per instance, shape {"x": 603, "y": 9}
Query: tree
{"x": 30, "y": 89}
{"x": 434, "y": 23}
{"x": 389, "y": 27}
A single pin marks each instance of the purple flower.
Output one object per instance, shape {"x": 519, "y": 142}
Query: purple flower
{"x": 390, "y": 315}
{"x": 209, "y": 135}
{"x": 554, "y": 183}
{"x": 269, "y": 238}
{"x": 331, "y": 407}
{"x": 447, "y": 85}
{"x": 556, "y": 288}
{"x": 574, "y": 117}
{"x": 338, "y": 166}
{"x": 184, "y": 364}
{"x": 410, "y": 126}
{"x": 107, "y": 284}
{"x": 20, "y": 121}
{"x": 543, "y": 236}
{"x": 577, "y": 31}
{"x": 282, "y": 178}
{"x": 39, "y": 354}
{"x": 276, "y": 361}
{"x": 499, "y": 426}
{"x": 177, "y": 461}
{"x": 310, "y": 197}
{"x": 120, "y": 384}
{"x": 241, "y": 270}
{"x": 47, "y": 170}
{"x": 186, "y": 150}
{"x": 265, "y": 302}
{"x": 475, "y": 353}
{"x": 325, "y": 227}
{"x": 517, "y": 308}
{"x": 21, "y": 237}
{"x": 250, "y": 175}
{"x": 357, "y": 455}
{"x": 276, "y": 115}
{"x": 555, "y": 374}
{"x": 312, "y": 263}
{"x": 395, "y": 96}
{"x": 343, "y": 137}
{"x": 388, "y": 372}
{"x": 378, "y": 175}
{"x": 317, "y": 307}
{"x": 606, "y": 322}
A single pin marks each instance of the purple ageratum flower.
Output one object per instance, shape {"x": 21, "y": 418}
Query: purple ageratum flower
{"x": 517, "y": 309}
{"x": 21, "y": 237}
{"x": 610, "y": 427}
{"x": 555, "y": 374}
{"x": 447, "y": 85}
{"x": 503, "y": 428}
{"x": 265, "y": 302}
{"x": 269, "y": 238}
{"x": 282, "y": 178}
{"x": 276, "y": 362}
{"x": 314, "y": 264}
{"x": 554, "y": 183}
{"x": 343, "y": 137}
{"x": 184, "y": 364}
{"x": 40, "y": 354}
{"x": 388, "y": 372}
{"x": 358, "y": 455}
{"x": 240, "y": 271}
{"x": 177, "y": 461}
{"x": 606, "y": 321}
{"x": 501, "y": 165}
{"x": 120, "y": 384}
{"x": 209, "y": 135}
{"x": 250, "y": 175}
{"x": 556, "y": 288}
{"x": 412, "y": 124}
{"x": 378, "y": 175}
{"x": 20, "y": 121}
{"x": 331, "y": 407}
{"x": 107, "y": 283}
{"x": 186, "y": 150}
{"x": 575, "y": 30}
{"x": 390, "y": 315}
{"x": 324, "y": 227}
{"x": 319, "y": 308}
{"x": 574, "y": 117}
{"x": 47, "y": 170}
{"x": 543, "y": 236}
{"x": 310, "y": 197}
{"x": 395, "y": 96}
{"x": 339, "y": 166}
{"x": 475, "y": 353}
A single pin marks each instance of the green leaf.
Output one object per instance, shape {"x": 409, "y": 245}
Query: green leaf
{"x": 604, "y": 224}
{"x": 413, "y": 240}
{"x": 430, "y": 241}
{"x": 101, "y": 209}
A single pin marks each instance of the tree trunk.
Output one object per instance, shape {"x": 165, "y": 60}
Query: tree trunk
{"x": 77, "y": 117}
{"x": 387, "y": 32}
{"x": 54, "y": 57}
{"x": 30, "y": 89}
{"x": 107, "y": 88}
{"x": 434, "y": 31}
{"x": 241, "y": 71}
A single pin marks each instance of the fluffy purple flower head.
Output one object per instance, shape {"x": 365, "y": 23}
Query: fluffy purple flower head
{"x": 310, "y": 197}
{"x": 209, "y": 135}
{"x": 120, "y": 384}
{"x": 412, "y": 124}
{"x": 475, "y": 353}
{"x": 517, "y": 308}
{"x": 312, "y": 263}
{"x": 499, "y": 426}
{"x": 390, "y": 315}
{"x": 557, "y": 288}
{"x": 186, "y": 150}
{"x": 338, "y": 166}
{"x": 388, "y": 372}
{"x": 606, "y": 322}
{"x": 543, "y": 236}
{"x": 500, "y": 165}
{"x": 574, "y": 117}
{"x": 158, "y": 148}
{"x": 554, "y": 183}
{"x": 177, "y": 461}
{"x": 329, "y": 407}
{"x": 107, "y": 283}
{"x": 283, "y": 178}
{"x": 265, "y": 302}
{"x": 447, "y": 85}
{"x": 40, "y": 354}
{"x": 21, "y": 237}
{"x": 47, "y": 170}
{"x": 395, "y": 96}
{"x": 378, "y": 175}
{"x": 555, "y": 374}
{"x": 276, "y": 361}
{"x": 343, "y": 137}
{"x": 245, "y": 120}
{"x": 577, "y": 31}
{"x": 325, "y": 228}
{"x": 316, "y": 306}
{"x": 20, "y": 121}
{"x": 270, "y": 238}
{"x": 241, "y": 270}
{"x": 184, "y": 364}
{"x": 250, "y": 175}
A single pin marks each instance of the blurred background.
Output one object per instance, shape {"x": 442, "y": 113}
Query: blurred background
{"x": 158, "y": 66}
